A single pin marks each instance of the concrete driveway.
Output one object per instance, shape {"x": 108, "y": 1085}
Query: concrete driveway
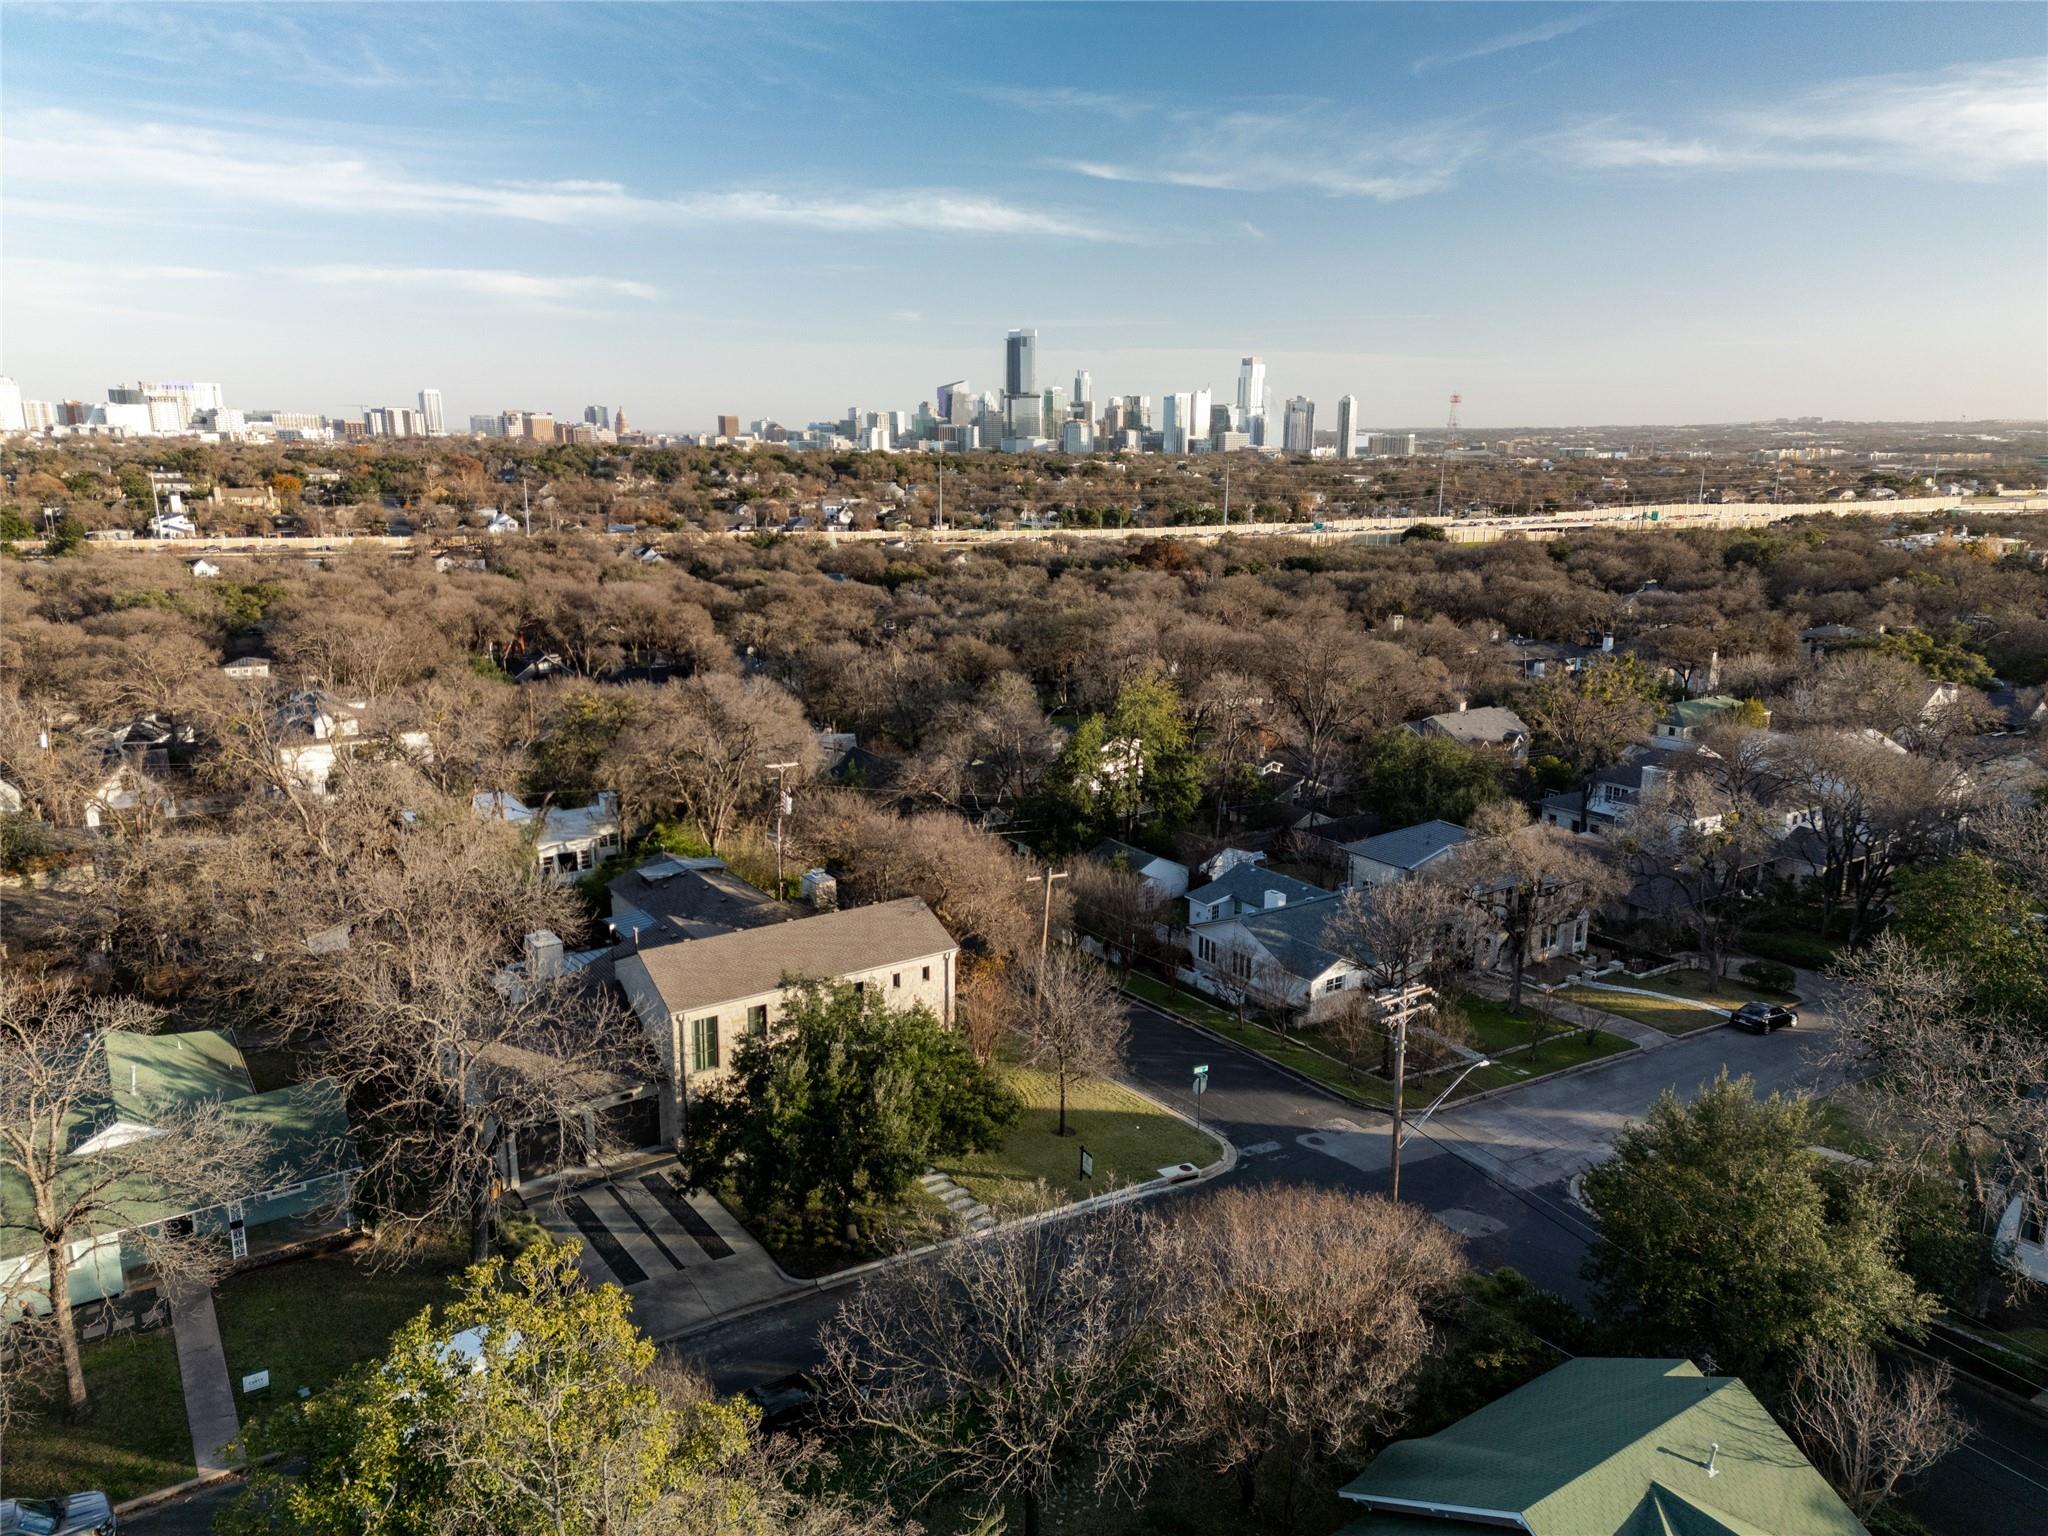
{"x": 677, "y": 1253}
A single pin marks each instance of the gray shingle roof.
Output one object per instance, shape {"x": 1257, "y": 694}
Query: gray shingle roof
{"x": 1293, "y": 935}
{"x": 1410, "y": 847}
{"x": 699, "y": 973}
{"x": 1248, "y": 884}
{"x": 1491, "y": 724}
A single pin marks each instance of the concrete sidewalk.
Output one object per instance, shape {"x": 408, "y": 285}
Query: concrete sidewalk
{"x": 203, "y": 1368}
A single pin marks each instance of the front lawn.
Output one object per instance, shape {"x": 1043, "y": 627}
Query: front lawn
{"x": 307, "y": 1320}
{"x": 1494, "y": 1028}
{"x": 1727, "y": 993}
{"x": 1673, "y": 1014}
{"x": 136, "y": 1441}
{"x": 1129, "y": 1137}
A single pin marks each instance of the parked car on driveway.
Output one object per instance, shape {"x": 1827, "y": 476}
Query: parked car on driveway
{"x": 1762, "y": 1018}
{"x": 78, "y": 1514}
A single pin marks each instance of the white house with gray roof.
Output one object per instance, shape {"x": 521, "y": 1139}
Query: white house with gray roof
{"x": 1398, "y": 854}
{"x": 1490, "y": 726}
{"x": 1247, "y": 888}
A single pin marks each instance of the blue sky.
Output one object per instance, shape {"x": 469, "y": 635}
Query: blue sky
{"x": 1569, "y": 213}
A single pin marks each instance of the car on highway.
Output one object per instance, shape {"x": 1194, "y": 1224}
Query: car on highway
{"x": 77, "y": 1514}
{"x": 1762, "y": 1018}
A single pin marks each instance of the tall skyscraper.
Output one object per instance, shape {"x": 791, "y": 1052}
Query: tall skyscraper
{"x": 1020, "y": 363}
{"x": 1347, "y": 427}
{"x": 1174, "y": 422}
{"x": 1055, "y": 410}
{"x": 430, "y": 413}
{"x": 599, "y": 416}
{"x": 1199, "y": 407}
{"x": 12, "y": 417}
{"x": 956, "y": 403}
{"x": 728, "y": 426}
{"x": 1084, "y": 396}
{"x": 1300, "y": 434}
{"x": 1251, "y": 396}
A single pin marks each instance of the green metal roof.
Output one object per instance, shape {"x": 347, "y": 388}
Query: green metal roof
{"x": 1607, "y": 1448}
{"x": 1697, "y": 712}
{"x": 304, "y": 1126}
{"x": 146, "y": 1073}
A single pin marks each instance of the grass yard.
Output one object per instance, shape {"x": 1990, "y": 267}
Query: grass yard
{"x": 1700, "y": 987}
{"x": 136, "y": 1440}
{"x": 1673, "y": 1014}
{"x": 1129, "y": 1137}
{"x": 307, "y": 1320}
{"x": 1494, "y": 1028}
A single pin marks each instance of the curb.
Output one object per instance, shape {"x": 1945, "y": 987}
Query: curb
{"x": 158, "y": 1496}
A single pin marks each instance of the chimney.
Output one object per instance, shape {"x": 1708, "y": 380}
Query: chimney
{"x": 543, "y": 955}
{"x": 1462, "y": 705}
{"x": 1275, "y": 899}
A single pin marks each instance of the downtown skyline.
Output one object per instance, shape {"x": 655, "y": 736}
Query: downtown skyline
{"x": 1569, "y": 215}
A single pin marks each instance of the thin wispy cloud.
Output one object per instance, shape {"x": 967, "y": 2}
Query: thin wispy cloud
{"x": 1972, "y": 123}
{"x": 1063, "y": 98}
{"x": 484, "y": 282}
{"x": 1521, "y": 37}
{"x": 1263, "y": 152}
{"x": 72, "y": 149}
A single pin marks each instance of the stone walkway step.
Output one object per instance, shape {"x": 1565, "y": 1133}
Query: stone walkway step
{"x": 973, "y": 1215}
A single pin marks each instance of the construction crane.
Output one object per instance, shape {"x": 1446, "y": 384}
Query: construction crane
{"x": 1450, "y": 444}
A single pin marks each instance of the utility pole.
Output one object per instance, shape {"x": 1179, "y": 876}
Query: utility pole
{"x": 942, "y": 496}
{"x": 1400, "y": 1109}
{"x": 781, "y": 810}
{"x": 525, "y": 507}
{"x": 1226, "y": 492}
{"x": 1045, "y": 918}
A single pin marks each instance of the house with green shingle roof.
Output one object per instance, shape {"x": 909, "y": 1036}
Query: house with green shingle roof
{"x": 1604, "y": 1448}
{"x": 301, "y": 1191}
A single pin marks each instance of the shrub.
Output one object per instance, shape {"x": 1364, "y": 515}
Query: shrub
{"x": 1771, "y": 975}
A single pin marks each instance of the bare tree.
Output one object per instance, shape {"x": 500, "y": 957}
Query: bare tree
{"x": 1396, "y": 932}
{"x": 80, "y": 1181}
{"x": 1291, "y": 1323}
{"x": 1078, "y": 1024}
{"x": 999, "y": 1363}
{"x": 1527, "y": 880}
{"x": 1698, "y": 846}
{"x": 1587, "y": 719}
{"x": 1875, "y": 809}
{"x": 1947, "y": 1084}
{"x": 1868, "y": 1425}
{"x": 2016, "y": 839}
{"x": 1117, "y": 906}
{"x": 702, "y": 747}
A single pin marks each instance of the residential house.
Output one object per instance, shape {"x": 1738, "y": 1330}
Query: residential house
{"x": 1614, "y": 789}
{"x": 172, "y": 525}
{"x": 300, "y": 1192}
{"x": 499, "y": 522}
{"x": 1604, "y": 1447}
{"x": 1686, "y": 720}
{"x": 1491, "y": 726}
{"x": 1163, "y": 879}
{"x": 247, "y": 669}
{"x": 689, "y": 898}
{"x": 1247, "y": 888}
{"x": 245, "y": 498}
{"x": 1398, "y": 854}
{"x": 698, "y": 998}
{"x": 202, "y": 568}
{"x": 569, "y": 841}
{"x": 314, "y": 728}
